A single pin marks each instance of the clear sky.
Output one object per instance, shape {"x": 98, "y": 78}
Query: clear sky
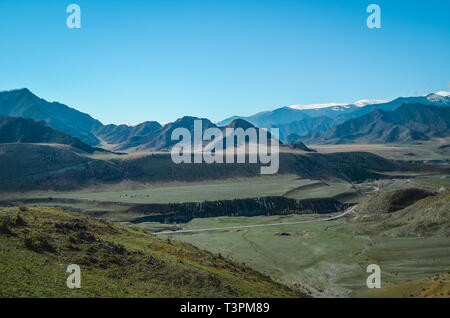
{"x": 159, "y": 60}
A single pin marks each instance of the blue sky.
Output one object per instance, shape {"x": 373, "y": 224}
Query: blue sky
{"x": 159, "y": 60}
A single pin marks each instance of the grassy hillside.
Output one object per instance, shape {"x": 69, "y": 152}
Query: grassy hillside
{"x": 37, "y": 245}
{"x": 26, "y": 167}
{"x": 41, "y": 165}
{"x": 436, "y": 286}
{"x": 403, "y": 213}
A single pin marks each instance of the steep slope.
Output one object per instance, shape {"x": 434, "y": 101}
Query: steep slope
{"x": 408, "y": 123}
{"x": 15, "y": 129}
{"x": 23, "y": 103}
{"x": 37, "y": 244}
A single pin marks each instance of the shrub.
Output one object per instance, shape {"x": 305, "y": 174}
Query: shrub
{"x": 70, "y": 246}
{"x": 38, "y": 243}
{"x": 17, "y": 220}
{"x": 27, "y": 268}
{"x": 86, "y": 260}
{"x": 90, "y": 249}
{"x": 71, "y": 238}
{"x": 5, "y": 221}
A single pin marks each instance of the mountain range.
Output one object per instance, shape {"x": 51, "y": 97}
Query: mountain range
{"x": 408, "y": 123}
{"x": 360, "y": 122}
{"x": 340, "y": 112}
{"x": 306, "y": 119}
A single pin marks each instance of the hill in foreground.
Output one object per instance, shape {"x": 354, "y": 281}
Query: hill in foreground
{"x": 403, "y": 213}
{"x": 37, "y": 244}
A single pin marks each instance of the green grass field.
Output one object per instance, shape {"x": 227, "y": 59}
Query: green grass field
{"x": 195, "y": 192}
{"x": 328, "y": 262}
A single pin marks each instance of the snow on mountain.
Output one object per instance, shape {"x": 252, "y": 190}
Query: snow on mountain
{"x": 443, "y": 93}
{"x": 365, "y": 102}
{"x": 441, "y": 97}
{"x": 315, "y": 106}
{"x": 339, "y": 106}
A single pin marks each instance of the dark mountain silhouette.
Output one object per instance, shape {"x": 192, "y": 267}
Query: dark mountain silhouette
{"x": 408, "y": 123}
{"x": 23, "y": 103}
{"x": 23, "y": 130}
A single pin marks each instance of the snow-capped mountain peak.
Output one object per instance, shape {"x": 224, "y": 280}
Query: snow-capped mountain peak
{"x": 365, "y": 102}
{"x": 439, "y": 97}
{"x": 316, "y": 106}
{"x": 443, "y": 93}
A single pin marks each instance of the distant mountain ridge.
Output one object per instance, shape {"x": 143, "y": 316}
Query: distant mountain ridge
{"x": 23, "y": 103}
{"x": 307, "y": 123}
{"x": 302, "y": 117}
{"x": 430, "y": 99}
{"x": 408, "y": 123}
